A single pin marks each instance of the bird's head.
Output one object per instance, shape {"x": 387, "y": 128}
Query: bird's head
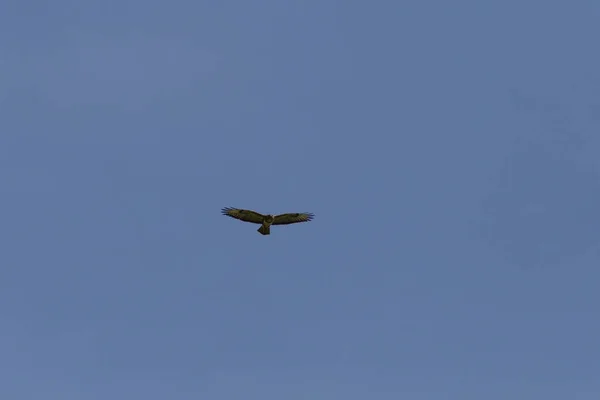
{"x": 269, "y": 218}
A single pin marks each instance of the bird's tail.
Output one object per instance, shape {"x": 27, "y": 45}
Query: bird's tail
{"x": 265, "y": 229}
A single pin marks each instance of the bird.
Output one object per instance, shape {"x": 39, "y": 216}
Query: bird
{"x": 267, "y": 220}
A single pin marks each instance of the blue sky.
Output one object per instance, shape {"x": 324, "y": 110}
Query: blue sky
{"x": 450, "y": 152}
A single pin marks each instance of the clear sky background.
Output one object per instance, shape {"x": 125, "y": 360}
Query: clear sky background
{"x": 449, "y": 149}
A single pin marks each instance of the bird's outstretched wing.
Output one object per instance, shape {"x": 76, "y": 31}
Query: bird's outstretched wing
{"x": 243, "y": 215}
{"x": 292, "y": 218}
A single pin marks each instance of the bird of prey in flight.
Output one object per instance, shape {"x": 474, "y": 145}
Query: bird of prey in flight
{"x": 266, "y": 221}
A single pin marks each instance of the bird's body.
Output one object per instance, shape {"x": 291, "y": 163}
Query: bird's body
{"x": 267, "y": 220}
{"x": 265, "y": 228}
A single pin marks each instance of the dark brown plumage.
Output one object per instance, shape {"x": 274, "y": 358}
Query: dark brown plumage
{"x": 266, "y": 220}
